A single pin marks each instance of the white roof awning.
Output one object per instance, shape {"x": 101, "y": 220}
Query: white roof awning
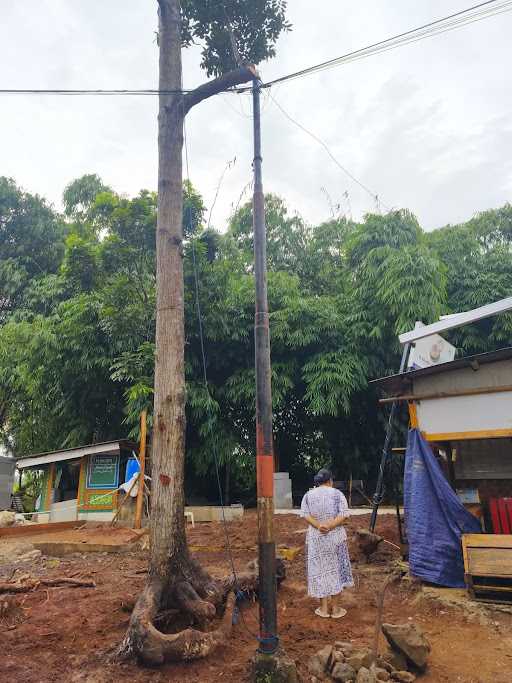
{"x": 68, "y": 454}
{"x": 449, "y": 322}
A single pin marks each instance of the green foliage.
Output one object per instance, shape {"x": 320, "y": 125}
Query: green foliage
{"x": 255, "y": 28}
{"x": 478, "y": 261}
{"x": 79, "y": 195}
{"x": 77, "y": 339}
{"x": 31, "y": 244}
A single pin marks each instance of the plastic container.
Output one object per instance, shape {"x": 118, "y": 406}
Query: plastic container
{"x": 132, "y": 466}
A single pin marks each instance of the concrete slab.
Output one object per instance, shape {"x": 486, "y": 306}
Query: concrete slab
{"x": 92, "y": 539}
{"x": 213, "y": 513}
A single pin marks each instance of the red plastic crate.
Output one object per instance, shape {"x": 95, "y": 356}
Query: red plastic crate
{"x": 501, "y": 515}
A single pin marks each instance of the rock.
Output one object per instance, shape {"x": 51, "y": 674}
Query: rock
{"x": 410, "y": 641}
{"x": 404, "y": 677}
{"x": 382, "y": 674}
{"x": 364, "y": 675}
{"x": 337, "y": 656}
{"x": 325, "y": 657}
{"x": 344, "y": 646}
{"x": 360, "y": 658}
{"x": 343, "y": 672}
{"x": 382, "y": 664}
{"x": 321, "y": 662}
{"x": 316, "y": 667}
{"x": 368, "y": 542}
{"x": 7, "y": 518}
{"x": 395, "y": 660}
{"x": 277, "y": 668}
{"x": 30, "y": 556}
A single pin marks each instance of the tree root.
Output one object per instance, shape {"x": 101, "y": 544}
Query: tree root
{"x": 152, "y": 647}
{"x": 33, "y": 584}
{"x": 194, "y": 594}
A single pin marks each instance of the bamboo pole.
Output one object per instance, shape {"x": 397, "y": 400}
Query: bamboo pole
{"x": 142, "y": 464}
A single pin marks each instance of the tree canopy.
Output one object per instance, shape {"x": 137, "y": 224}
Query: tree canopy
{"x": 78, "y": 324}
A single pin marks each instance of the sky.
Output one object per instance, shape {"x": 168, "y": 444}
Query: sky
{"x": 427, "y": 127}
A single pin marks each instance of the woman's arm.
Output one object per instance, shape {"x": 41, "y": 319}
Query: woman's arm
{"x": 311, "y": 520}
{"x": 342, "y": 516}
{"x": 336, "y": 522}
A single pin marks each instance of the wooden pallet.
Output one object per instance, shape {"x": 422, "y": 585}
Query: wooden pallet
{"x": 488, "y": 566}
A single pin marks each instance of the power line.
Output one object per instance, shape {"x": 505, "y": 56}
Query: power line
{"x": 42, "y": 91}
{"x": 433, "y": 28}
{"x": 372, "y": 194}
{"x": 451, "y": 22}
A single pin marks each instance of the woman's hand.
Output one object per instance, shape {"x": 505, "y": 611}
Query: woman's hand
{"x": 331, "y": 524}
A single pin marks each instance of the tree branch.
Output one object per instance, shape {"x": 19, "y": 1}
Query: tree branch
{"x": 228, "y": 80}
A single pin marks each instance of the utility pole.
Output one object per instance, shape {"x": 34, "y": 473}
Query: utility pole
{"x": 379, "y": 490}
{"x": 269, "y": 640}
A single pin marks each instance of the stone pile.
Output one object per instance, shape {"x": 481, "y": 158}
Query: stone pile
{"x": 9, "y": 518}
{"x": 345, "y": 663}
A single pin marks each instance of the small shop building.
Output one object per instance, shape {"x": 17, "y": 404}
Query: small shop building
{"x": 463, "y": 409}
{"x": 82, "y": 483}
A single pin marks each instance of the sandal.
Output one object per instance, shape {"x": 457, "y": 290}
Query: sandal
{"x": 340, "y": 613}
{"x": 319, "y": 613}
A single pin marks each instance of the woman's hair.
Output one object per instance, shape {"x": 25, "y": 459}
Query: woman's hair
{"x": 322, "y": 476}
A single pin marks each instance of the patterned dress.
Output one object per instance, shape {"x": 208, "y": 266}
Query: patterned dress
{"x": 328, "y": 562}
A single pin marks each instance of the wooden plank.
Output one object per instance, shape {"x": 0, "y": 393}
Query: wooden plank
{"x": 475, "y": 391}
{"x": 142, "y": 466}
{"x": 413, "y": 416}
{"x": 49, "y": 487}
{"x": 31, "y": 529}
{"x": 491, "y": 589}
{"x": 463, "y": 436}
{"x": 495, "y": 562}
{"x": 487, "y": 540}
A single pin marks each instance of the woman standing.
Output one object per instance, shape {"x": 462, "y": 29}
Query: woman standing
{"x": 328, "y": 563}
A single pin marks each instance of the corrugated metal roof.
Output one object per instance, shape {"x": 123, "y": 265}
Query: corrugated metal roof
{"x": 77, "y": 451}
{"x": 397, "y": 384}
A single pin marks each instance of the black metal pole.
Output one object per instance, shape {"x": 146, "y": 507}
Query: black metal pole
{"x": 269, "y": 640}
{"x": 379, "y": 490}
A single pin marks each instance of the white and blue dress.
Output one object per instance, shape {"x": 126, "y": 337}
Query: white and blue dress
{"x": 328, "y": 562}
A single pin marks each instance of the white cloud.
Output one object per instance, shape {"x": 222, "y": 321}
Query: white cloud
{"x": 425, "y": 126}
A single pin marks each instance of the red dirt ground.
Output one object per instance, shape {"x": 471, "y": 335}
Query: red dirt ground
{"x": 66, "y": 632}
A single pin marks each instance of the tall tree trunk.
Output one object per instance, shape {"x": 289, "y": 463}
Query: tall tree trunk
{"x": 175, "y": 579}
{"x": 167, "y": 506}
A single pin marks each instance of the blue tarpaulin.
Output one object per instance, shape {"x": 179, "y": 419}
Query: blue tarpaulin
{"x": 435, "y": 518}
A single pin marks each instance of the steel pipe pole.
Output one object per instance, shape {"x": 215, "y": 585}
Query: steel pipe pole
{"x": 269, "y": 640}
{"x": 379, "y": 490}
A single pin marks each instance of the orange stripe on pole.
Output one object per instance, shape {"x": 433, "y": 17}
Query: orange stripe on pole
{"x": 265, "y": 475}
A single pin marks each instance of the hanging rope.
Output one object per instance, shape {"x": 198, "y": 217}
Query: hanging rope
{"x": 240, "y": 594}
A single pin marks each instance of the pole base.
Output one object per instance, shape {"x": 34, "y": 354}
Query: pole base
{"x": 275, "y": 668}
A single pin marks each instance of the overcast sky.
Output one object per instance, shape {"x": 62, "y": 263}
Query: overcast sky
{"x": 427, "y": 126}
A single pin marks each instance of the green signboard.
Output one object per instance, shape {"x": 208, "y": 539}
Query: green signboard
{"x": 101, "y": 499}
{"x": 103, "y": 472}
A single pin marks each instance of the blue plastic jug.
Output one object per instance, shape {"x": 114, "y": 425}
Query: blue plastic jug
{"x": 132, "y": 466}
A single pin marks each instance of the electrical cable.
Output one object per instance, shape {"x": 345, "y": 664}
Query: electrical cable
{"x": 239, "y": 593}
{"x": 43, "y": 91}
{"x": 436, "y": 27}
{"x": 372, "y": 194}
{"x": 451, "y": 22}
